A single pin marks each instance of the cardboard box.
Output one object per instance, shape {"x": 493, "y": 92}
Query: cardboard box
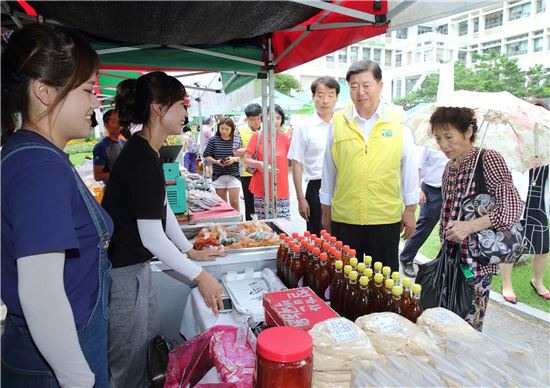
{"x": 297, "y": 307}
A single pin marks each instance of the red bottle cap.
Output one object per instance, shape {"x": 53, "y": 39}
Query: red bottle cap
{"x": 291, "y": 244}
{"x": 316, "y": 251}
{"x": 333, "y": 240}
{"x": 295, "y": 235}
{"x": 352, "y": 252}
{"x": 337, "y": 255}
{"x": 313, "y": 237}
{"x": 282, "y": 236}
{"x": 339, "y": 244}
{"x": 323, "y": 231}
{"x": 284, "y": 344}
{"x": 318, "y": 242}
{"x": 326, "y": 246}
{"x": 323, "y": 257}
{"x": 304, "y": 243}
{"x": 307, "y": 233}
{"x": 300, "y": 238}
{"x": 310, "y": 247}
{"x": 346, "y": 248}
{"x": 296, "y": 248}
{"x": 332, "y": 250}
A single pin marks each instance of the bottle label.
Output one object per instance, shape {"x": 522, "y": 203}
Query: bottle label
{"x": 342, "y": 331}
{"x": 327, "y": 293}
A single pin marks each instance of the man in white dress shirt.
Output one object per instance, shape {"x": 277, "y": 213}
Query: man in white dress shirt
{"x": 430, "y": 168}
{"x": 369, "y": 185}
{"x": 307, "y": 149}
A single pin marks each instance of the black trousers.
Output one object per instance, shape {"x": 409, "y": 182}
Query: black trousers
{"x": 429, "y": 216}
{"x": 248, "y": 197}
{"x": 379, "y": 241}
{"x": 312, "y": 198}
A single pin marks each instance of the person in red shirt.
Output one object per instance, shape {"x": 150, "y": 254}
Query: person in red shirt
{"x": 257, "y": 182}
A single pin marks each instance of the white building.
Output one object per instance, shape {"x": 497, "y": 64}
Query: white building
{"x": 515, "y": 28}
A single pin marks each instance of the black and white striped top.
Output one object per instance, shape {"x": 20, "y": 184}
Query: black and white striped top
{"x": 220, "y": 149}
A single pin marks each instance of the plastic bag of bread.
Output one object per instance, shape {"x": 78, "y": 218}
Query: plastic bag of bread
{"x": 332, "y": 379}
{"x": 391, "y": 332}
{"x": 440, "y": 324}
{"x": 337, "y": 343}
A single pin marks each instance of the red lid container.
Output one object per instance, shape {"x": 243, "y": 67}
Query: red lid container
{"x": 284, "y": 344}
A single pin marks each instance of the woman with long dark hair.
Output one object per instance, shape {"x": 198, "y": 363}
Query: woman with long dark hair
{"x": 55, "y": 271}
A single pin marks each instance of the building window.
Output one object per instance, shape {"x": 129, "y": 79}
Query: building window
{"x": 409, "y": 84}
{"x": 424, "y": 29}
{"x": 441, "y": 43}
{"x": 476, "y": 24}
{"x": 343, "y": 56}
{"x": 387, "y": 58}
{"x": 398, "y": 88}
{"x": 516, "y": 48}
{"x": 537, "y": 44}
{"x": 519, "y": 11}
{"x": 462, "y": 55}
{"x": 494, "y": 45}
{"x": 401, "y": 33}
{"x": 398, "y": 59}
{"x": 493, "y": 20}
{"x": 330, "y": 58}
{"x": 417, "y": 55}
{"x": 443, "y": 29}
{"x": 377, "y": 55}
{"x": 463, "y": 28}
{"x": 428, "y": 56}
{"x": 409, "y": 58}
{"x": 354, "y": 53}
{"x": 541, "y": 6}
{"x": 366, "y": 53}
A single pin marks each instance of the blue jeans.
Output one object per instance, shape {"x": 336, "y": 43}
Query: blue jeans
{"x": 190, "y": 162}
{"x": 22, "y": 363}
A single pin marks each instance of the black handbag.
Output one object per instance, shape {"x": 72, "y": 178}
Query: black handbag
{"x": 157, "y": 361}
{"x": 446, "y": 282}
{"x": 489, "y": 246}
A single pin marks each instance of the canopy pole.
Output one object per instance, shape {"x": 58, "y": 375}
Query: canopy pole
{"x": 273, "y": 131}
{"x": 265, "y": 148}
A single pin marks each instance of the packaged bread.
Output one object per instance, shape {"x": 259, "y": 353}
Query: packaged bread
{"x": 338, "y": 343}
{"x": 332, "y": 379}
{"x": 440, "y": 324}
{"x": 391, "y": 332}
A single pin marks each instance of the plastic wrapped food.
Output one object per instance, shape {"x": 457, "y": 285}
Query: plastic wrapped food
{"x": 251, "y": 234}
{"x": 392, "y": 331}
{"x": 332, "y": 379}
{"x": 440, "y": 324}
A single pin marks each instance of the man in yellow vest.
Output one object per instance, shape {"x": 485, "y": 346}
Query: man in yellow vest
{"x": 369, "y": 185}
{"x": 253, "y": 123}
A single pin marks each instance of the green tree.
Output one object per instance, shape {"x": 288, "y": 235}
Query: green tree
{"x": 285, "y": 83}
{"x": 492, "y": 72}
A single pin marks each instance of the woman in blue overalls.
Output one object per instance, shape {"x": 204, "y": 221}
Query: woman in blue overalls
{"x": 55, "y": 271}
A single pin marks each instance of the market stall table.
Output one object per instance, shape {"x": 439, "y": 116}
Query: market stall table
{"x": 221, "y": 213}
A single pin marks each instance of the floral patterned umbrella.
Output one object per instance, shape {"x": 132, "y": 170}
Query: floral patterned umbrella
{"x": 517, "y": 129}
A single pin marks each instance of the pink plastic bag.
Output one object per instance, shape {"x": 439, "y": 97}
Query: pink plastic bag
{"x": 232, "y": 350}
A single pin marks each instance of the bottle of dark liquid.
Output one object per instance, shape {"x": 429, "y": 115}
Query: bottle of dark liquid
{"x": 296, "y": 270}
{"x": 312, "y": 238}
{"x": 362, "y": 305}
{"x": 342, "y": 301}
{"x": 369, "y": 274}
{"x": 396, "y": 276}
{"x": 308, "y": 265}
{"x": 345, "y": 254}
{"x": 304, "y": 258}
{"x": 350, "y": 296}
{"x": 318, "y": 243}
{"x": 388, "y": 285}
{"x": 367, "y": 260}
{"x": 406, "y": 297}
{"x": 287, "y": 261}
{"x": 339, "y": 246}
{"x": 322, "y": 279}
{"x": 337, "y": 285}
{"x": 415, "y": 309}
{"x": 313, "y": 268}
{"x": 396, "y": 292}
{"x": 281, "y": 255}
{"x": 377, "y": 296}
{"x": 307, "y": 236}
{"x": 326, "y": 248}
{"x": 332, "y": 241}
{"x": 337, "y": 256}
{"x": 295, "y": 237}
{"x": 353, "y": 262}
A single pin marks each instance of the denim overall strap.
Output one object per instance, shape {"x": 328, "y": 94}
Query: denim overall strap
{"x": 93, "y": 336}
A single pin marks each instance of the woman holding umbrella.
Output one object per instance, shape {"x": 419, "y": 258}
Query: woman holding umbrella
{"x": 455, "y": 131}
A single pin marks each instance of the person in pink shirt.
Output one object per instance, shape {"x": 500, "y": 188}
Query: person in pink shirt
{"x": 257, "y": 182}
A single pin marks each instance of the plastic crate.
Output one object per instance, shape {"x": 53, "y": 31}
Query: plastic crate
{"x": 177, "y": 196}
{"x": 171, "y": 171}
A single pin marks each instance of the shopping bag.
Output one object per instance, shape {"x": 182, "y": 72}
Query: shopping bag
{"x": 230, "y": 349}
{"x": 445, "y": 284}
{"x": 157, "y": 360}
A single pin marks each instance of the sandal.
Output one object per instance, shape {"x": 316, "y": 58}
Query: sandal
{"x": 545, "y": 296}
{"x": 509, "y": 299}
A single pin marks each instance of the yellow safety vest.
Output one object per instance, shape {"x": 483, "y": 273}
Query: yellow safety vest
{"x": 367, "y": 190}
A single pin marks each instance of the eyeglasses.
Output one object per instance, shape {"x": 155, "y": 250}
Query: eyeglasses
{"x": 356, "y": 85}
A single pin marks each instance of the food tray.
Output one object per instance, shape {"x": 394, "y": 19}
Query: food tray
{"x": 246, "y": 290}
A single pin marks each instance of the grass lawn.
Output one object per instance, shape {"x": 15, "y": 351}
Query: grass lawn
{"x": 78, "y": 159}
{"x": 521, "y": 275}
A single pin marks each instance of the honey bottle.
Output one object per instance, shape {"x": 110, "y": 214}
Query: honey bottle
{"x": 388, "y": 285}
{"x": 350, "y": 296}
{"x": 377, "y": 296}
{"x": 322, "y": 279}
{"x": 353, "y": 262}
{"x": 396, "y": 307}
{"x": 415, "y": 309}
{"x": 337, "y": 285}
{"x": 296, "y": 270}
{"x": 332, "y": 241}
{"x": 307, "y": 236}
{"x": 308, "y": 264}
{"x": 342, "y": 300}
{"x": 281, "y": 254}
{"x": 361, "y": 267}
{"x": 406, "y": 297}
{"x": 313, "y": 268}
{"x": 288, "y": 260}
{"x": 396, "y": 276}
{"x": 362, "y": 306}
{"x": 345, "y": 254}
{"x": 386, "y": 271}
{"x": 339, "y": 246}
{"x": 377, "y": 268}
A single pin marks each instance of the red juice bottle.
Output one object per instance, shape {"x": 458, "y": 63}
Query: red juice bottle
{"x": 296, "y": 270}
{"x": 322, "y": 279}
{"x": 280, "y": 255}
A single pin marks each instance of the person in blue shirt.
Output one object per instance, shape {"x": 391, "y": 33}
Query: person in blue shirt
{"x": 106, "y": 151}
{"x": 55, "y": 270}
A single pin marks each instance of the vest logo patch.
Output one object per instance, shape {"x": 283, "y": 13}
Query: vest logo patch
{"x": 387, "y": 133}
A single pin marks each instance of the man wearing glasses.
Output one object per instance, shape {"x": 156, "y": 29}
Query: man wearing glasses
{"x": 369, "y": 185}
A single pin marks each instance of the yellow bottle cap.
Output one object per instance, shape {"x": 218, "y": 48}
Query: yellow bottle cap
{"x": 378, "y": 265}
{"x": 361, "y": 267}
{"x": 406, "y": 282}
{"x": 417, "y": 288}
{"x": 396, "y": 276}
{"x": 363, "y": 280}
{"x": 353, "y": 275}
{"x": 339, "y": 264}
{"x": 386, "y": 270}
{"x": 347, "y": 269}
{"x": 353, "y": 261}
{"x": 367, "y": 259}
{"x": 368, "y": 272}
{"x": 396, "y": 291}
{"x": 378, "y": 278}
{"x": 389, "y": 284}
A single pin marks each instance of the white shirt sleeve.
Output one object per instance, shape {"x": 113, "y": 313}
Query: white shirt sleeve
{"x": 50, "y": 318}
{"x": 155, "y": 240}
{"x": 409, "y": 169}
{"x": 174, "y": 232}
{"x": 328, "y": 178}
{"x": 297, "y": 145}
